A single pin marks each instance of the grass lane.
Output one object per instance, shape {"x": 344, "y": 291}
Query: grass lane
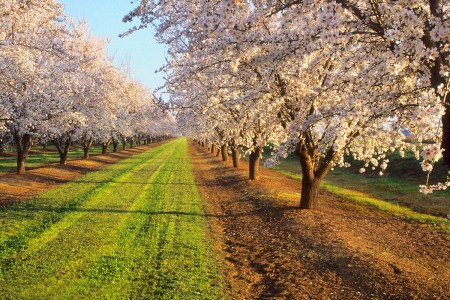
{"x": 133, "y": 230}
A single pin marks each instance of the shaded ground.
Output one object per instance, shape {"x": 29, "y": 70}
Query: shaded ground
{"x": 344, "y": 251}
{"x": 14, "y": 187}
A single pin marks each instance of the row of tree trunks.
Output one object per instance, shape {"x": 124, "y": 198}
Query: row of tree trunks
{"x": 24, "y": 143}
{"x": 313, "y": 172}
{"x": 235, "y": 153}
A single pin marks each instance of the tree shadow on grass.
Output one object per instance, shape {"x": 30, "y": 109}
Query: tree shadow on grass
{"x": 105, "y": 210}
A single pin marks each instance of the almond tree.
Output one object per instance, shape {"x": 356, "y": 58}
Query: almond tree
{"x": 324, "y": 71}
{"x": 29, "y": 45}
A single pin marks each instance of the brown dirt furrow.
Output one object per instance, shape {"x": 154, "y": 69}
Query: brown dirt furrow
{"x": 272, "y": 250}
{"x": 15, "y": 187}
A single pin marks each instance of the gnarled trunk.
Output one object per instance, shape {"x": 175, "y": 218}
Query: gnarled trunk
{"x": 23, "y": 146}
{"x": 313, "y": 171}
{"x": 224, "y": 152}
{"x": 255, "y": 157}
{"x": 217, "y": 152}
{"x": 105, "y": 147}
{"x": 213, "y": 149}
{"x": 124, "y": 144}
{"x": 235, "y": 153}
{"x": 63, "y": 149}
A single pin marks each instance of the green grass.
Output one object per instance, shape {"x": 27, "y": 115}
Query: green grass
{"x": 50, "y": 155}
{"x": 136, "y": 229}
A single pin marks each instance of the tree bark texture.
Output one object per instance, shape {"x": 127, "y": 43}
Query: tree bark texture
{"x": 224, "y": 151}
{"x": 23, "y": 146}
{"x": 87, "y": 143}
{"x": 63, "y": 149}
{"x": 235, "y": 151}
{"x": 105, "y": 147}
{"x": 115, "y": 144}
{"x": 255, "y": 157}
{"x": 213, "y": 149}
{"x": 313, "y": 171}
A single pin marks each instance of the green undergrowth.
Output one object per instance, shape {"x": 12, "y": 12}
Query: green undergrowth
{"x": 379, "y": 204}
{"x": 8, "y": 163}
{"x": 134, "y": 230}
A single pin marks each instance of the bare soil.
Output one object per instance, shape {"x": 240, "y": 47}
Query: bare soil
{"x": 273, "y": 250}
{"x": 15, "y": 187}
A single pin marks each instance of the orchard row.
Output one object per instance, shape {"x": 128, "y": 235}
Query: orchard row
{"x": 327, "y": 80}
{"x": 58, "y": 85}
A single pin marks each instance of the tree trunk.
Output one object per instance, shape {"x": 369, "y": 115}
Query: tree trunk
{"x": 217, "y": 152}
{"x": 255, "y": 157}
{"x": 23, "y": 146}
{"x": 213, "y": 149}
{"x": 224, "y": 152}
{"x": 131, "y": 143}
{"x": 63, "y": 150}
{"x": 115, "y": 144}
{"x": 313, "y": 171}
{"x": 235, "y": 151}
{"x": 2, "y": 147}
{"x": 310, "y": 190}
{"x": 87, "y": 143}
{"x": 104, "y": 147}
{"x": 124, "y": 144}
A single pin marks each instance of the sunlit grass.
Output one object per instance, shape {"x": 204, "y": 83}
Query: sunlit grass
{"x": 133, "y": 230}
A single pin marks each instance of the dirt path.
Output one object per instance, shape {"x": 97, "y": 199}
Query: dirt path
{"x": 344, "y": 251}
{"x": 14, "y": 187}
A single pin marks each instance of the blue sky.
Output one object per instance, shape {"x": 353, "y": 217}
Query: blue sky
{"x": 105, "y": 20}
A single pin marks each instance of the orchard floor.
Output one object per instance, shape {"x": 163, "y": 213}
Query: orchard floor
{"x": 272, "y": 250}
{"x": 14, "y": 187}
{"x": 344, "y": 250}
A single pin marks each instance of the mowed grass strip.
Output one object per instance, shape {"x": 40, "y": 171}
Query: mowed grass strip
{"x": 135, "y": 233}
